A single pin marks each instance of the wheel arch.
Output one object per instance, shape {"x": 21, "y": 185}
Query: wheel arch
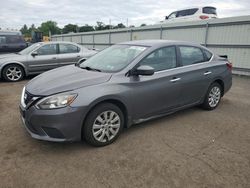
{"x": 119, "y": 103}
{"x": 14, "y": 63}
{"x": 221, "y": 82}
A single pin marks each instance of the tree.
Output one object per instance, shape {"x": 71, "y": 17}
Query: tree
{"x": 70, "y": 28}
{"x": 49, "y": 26}
{"x": 142, "y": 25}
{"x": 120, "y": 25}
{"x": 25, "y": 31}
{"x": 86, "y": 28}
{"x": 99, "y": 26}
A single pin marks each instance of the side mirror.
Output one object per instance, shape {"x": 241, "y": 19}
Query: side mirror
{"x": 166, "y": 18}
{"x": 143, "y": 70}
{"x": 34, "y": 54}
{"x": 78, "y": 63}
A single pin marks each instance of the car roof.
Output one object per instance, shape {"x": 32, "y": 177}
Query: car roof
{"x": 159, "y": 43}
{"x": 58, "y": 42}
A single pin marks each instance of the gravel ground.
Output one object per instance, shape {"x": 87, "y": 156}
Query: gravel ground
{"x": 191, "y": 148}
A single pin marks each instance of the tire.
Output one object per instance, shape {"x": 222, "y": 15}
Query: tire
{"x": 213, "y": 97}
{"x": 103, "y": 125}
{"x": 13, "y": 73}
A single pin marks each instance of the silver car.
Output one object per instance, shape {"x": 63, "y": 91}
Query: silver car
{"x": 125, "y": 84}
{"x": 41, "y": 57}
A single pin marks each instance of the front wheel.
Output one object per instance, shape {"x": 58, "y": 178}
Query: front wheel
{"x": 213, "y": 97}
{"x": 13, "y": 73}
{"x": 103, "y": 125}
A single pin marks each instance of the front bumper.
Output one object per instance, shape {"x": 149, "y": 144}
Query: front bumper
{"x": 57, "y": 125}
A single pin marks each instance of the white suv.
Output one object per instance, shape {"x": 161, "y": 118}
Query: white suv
{"x": 192, "y": 14}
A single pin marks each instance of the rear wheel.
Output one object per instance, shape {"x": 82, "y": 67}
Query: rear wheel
{"x": 213, "y": 97}
{"x": 103, "y": 125}
{"x": 13, "y": 73}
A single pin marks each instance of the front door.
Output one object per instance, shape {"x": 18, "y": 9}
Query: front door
{"x": 160, "y": 92}
{"x": 46, "y": 58}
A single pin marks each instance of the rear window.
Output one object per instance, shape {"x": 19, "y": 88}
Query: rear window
{"x": 209, "y": 10}
{"x": 186, "y": 12}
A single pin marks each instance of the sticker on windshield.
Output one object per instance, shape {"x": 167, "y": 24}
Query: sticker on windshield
{"x": 139, "y": 48}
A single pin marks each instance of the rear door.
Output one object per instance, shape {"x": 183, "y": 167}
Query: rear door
{"x": 195, "y": 74}
{"x": 46, "y": 58}
{"x": 160, "y": 92}
{"x": 68, "y": 54}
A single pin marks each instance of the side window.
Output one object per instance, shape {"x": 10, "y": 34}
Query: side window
{"x": 68, "y": 48}
{"x": 161, "y": 59}
{"x": 2, "y": 39}
{"x": 191, "y": 55}
{"x": 208, "y": 54}
{"x": 187, "y": 12}
{"x": 48, "y": 49}
{"x": 172, "y": 15}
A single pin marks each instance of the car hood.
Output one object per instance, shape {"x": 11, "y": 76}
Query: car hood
{"x": 65, "y": 79}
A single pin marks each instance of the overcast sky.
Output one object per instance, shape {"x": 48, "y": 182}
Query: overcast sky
{"x": 15, "y": 13}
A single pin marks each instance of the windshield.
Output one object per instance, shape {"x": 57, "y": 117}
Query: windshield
{"x": 30, "y": 49}
{"x": 114, "y": 58}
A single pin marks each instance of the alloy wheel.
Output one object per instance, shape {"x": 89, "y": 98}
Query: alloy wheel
{"x": 214, "y": 96}
{"x": 106, "y": 126}
{"x": 14, "y": 73}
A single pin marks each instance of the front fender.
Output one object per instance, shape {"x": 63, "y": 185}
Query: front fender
{"x": 13, "y": 62}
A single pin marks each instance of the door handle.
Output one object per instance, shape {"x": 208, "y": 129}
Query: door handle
{"x": 175, "y": 79}
{"x": 53, "y": 57}
{"x": 207, "y": 73}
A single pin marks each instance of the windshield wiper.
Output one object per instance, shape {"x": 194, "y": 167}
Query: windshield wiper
{"x": 91, "y": 69}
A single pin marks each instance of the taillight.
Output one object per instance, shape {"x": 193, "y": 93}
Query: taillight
{"x": 203, "y": 17}
{"x": 229, "y": 66}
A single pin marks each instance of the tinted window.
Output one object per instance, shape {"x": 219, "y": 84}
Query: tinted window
{"x": 2, "y": 39}
{"x": 47, "y": 49}
{"x": 208, "y": 54}
{"x": 14, "y": 39}
{"x": 187, "y": 12}
{"x": 173, "y": 15}
{"x": 191, "y": 55}
{"x": 209, "y": 10}
{"x": 161, "y": 59}
{"x": 68, "y": 48}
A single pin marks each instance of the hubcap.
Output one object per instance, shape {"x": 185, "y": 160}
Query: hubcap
{"x": 214, "y": 96}
{"x": 106, "y": 126}
{"x": 14, "y": 73}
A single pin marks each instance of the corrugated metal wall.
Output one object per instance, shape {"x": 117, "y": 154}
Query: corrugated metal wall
{"x": 229, "y": 36}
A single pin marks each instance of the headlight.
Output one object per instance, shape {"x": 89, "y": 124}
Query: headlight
{"x": 56, "y": 101}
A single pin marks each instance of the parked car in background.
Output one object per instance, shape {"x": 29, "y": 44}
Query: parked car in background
{"x": 41, "y": 57}
{"x": 192, "y": 14}
{"x": 125, "y": 84}
{"x": 11, "y": 41}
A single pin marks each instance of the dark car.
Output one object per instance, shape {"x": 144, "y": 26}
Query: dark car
{"x": 11, "y": 42}
{"x": 125, "y": 84}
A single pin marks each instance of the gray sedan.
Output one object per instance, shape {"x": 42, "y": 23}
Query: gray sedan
{"x": 125, "y": 84}
{"x": 41, "y": 57}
